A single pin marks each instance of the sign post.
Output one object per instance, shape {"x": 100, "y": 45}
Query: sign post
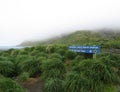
{"x": 86, "y": 49}
{"x": 94, "y": 56}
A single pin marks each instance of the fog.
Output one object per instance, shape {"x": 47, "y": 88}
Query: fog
{"x": 22, "y": 20}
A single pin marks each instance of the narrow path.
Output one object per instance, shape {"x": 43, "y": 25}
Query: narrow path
{"x": 33, "y": 85}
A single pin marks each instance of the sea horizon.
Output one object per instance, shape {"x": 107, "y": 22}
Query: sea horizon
{"x": 11, "y": 47}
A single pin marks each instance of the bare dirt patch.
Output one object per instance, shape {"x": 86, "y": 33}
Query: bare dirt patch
{"x": 33, "y": 85}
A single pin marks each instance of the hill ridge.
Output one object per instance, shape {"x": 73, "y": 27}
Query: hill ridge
{"x": 81, "y": 38}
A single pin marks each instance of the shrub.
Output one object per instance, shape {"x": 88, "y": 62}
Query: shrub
{"x": 76, "y": 61}
{"x": 70, "y": 55}
{"x": 53, "y": 63}
{"x": 9, "y": 85}
{"x": 3, "y": 58}
{"x": 22, "y": 52}
{"x": 32, "y": 66}
{"x": 53, "y": 85}
{"x": 61, "y": 51}
{"x": 16, "y": 68}
{"x": 56, "y": 55}
{"x": 34, "y": 52}
{"x": 24, "y": 76}
{"x": 52, "y": 73}
{"x": 41, "y": 54}
{"x": 53, "y": 68}
{"x": 6, "y": 68}
{"x": 94, "y": 75}
{"x": 50, "y": 49}
{"x": 41, "y": 48}
{"x": 75, "y": 83}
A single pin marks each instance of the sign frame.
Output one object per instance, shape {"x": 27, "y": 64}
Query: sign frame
{"x": 95, "y": 49}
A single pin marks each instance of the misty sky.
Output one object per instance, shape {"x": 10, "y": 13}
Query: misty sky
{"x": 22, "y": 20}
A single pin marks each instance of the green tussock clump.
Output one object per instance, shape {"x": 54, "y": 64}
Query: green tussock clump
{"x": 93, "y": 76}
{"x": 6, "y": 68}
{"x": 53, "y": 75}
{"x": 53, "y": 85}
{"x": 9, "y": 85}
{"x": 24, "y": 76}
{"x": 53, "y": 68}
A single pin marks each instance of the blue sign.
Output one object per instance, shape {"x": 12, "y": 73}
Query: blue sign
{"x": 85, "y": 49}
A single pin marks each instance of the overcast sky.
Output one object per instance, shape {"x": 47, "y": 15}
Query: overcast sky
{"x": 22, "y": 20}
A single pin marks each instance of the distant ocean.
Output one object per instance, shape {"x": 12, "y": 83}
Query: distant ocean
{"x": 11, "y": 47}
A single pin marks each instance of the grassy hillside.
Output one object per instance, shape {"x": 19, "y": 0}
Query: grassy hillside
{"x": 57, "y": 69}
{"x": 103, "y": 38}
{"x": 53, "y": 68}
